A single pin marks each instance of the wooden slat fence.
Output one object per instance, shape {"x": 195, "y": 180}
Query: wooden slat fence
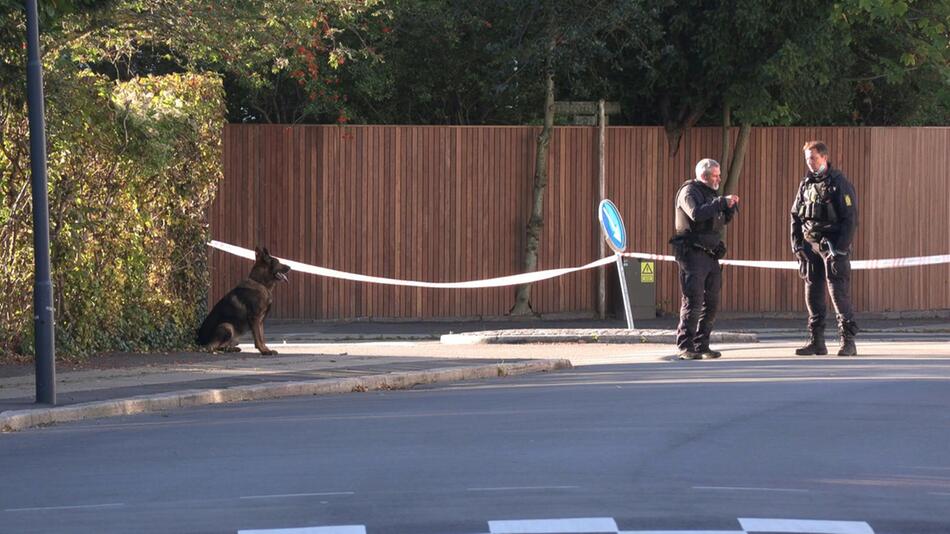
{"x": 444, "y": 203}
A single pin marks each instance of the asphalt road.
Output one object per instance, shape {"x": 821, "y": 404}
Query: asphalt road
{"x": 742, "y": 444}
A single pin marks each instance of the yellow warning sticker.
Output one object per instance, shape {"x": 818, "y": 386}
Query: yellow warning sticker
{"x": 847, "y": 200}
{"x": 646, "y": 272}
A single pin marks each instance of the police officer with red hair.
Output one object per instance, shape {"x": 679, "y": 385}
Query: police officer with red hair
{"x": 824, "y": 217}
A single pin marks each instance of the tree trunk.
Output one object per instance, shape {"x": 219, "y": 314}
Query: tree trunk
{"x": 522, "y": 304}
{"x": 742, "y": 143}
{"x": 675, "y": 127}
{"x": 726, "y": 125}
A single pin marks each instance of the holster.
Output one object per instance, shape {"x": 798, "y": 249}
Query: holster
{"x": 720, "y": 251}
{"x": 681, "y": 244}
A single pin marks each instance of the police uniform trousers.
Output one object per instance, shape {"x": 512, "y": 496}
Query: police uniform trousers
{"x": 821, "y": 270}
{"x": 701, "y": 284}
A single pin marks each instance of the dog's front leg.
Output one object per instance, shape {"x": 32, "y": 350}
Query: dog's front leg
{"x": 257, "y": 329}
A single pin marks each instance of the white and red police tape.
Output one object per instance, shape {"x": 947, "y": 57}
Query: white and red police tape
{"x": 537, "y": 276}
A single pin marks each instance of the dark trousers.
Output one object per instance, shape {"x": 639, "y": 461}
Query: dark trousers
{"x": 700, "y": 284}
{"x": 822, "y": 270}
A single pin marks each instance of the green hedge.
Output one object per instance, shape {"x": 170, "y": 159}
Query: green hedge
{"x": 133, "y": 167}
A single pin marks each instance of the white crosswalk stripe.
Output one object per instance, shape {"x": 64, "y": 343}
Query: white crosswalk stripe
{"x": 341, "y": 529}
{"x": 554, "y": 526}
{"x": 801, "y": 526}
{"x": 682, "y": 532}
{"x": 607, "y": 525}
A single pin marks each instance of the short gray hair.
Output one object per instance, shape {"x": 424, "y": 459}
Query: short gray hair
{"x": 704, "y": 166}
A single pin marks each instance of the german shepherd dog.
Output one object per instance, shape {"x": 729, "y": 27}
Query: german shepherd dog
{"x": 244, "y": 307}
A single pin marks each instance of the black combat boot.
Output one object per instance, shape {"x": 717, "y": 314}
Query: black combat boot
{"x": 689, "y": 354}
{"x": 816, "y": 344}
{"x": 847, "y": 347}
{"x": 708, "y": 352}
{"x": 847, "y": 329}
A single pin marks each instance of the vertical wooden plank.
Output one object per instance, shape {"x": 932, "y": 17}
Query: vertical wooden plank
{"x": 311, "y": 310}
{"x": 418, "y": 212}
{"x": 457, "y": 243}
{"x": 325, "y": 217}
{"x": 297, "y": 245}
{"x": 399, "y": 222}
{"x": 440, "y": 205}
{"x": 465, "y": 214}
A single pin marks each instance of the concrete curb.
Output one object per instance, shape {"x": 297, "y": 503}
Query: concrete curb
{"x": 611, "y": 335}
{"x": 12, "y": 421}
{"x": 298, "y": 338}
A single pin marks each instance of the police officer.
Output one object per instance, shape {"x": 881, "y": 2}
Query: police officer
{"x": 824, "y": 218}
{"x": 701, "y": 215}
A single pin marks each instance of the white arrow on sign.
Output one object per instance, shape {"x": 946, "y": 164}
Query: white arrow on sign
{"x": 615, "y": 228}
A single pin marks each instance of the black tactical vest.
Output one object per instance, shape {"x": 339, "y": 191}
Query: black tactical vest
{"x": 816, "y": 202}
{"x": 707, "y": 233}
{"x": 686, "y": 225}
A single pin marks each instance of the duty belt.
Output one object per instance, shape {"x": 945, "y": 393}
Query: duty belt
{"x": 705, "y": 249}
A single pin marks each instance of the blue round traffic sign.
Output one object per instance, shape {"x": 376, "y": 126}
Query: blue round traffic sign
{"x": 612, "y": 225}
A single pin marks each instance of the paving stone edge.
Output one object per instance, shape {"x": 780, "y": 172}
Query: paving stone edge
{"x": 15, "y": 420}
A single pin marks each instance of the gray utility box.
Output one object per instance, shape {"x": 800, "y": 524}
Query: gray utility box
{"x": 641, "y": 286}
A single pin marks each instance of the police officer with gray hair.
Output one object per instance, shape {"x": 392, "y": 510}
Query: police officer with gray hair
{"x": 701, "y": 216}
{"x": 824, "y": 217}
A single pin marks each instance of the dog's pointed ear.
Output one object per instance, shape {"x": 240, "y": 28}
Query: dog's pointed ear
{"x": 259, "y": 252}
{"x": 264, "y": 251}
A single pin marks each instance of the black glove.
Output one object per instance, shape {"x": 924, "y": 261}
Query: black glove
{"x": 802, "y": 261}
{"x": 835, "y": 264}
{"x": 832, "y": 257}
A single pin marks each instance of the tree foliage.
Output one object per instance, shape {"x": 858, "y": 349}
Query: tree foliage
{"x": 132, "y": 169}
{"x": 132, "y": 166}
{"x": 900, "y": 68}
{"x": 280, "y": 59}
{"x": 667, "y": 62}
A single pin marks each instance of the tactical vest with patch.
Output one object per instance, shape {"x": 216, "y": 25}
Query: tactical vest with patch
{"x": 817, "y": 203}
{"x": 816, "y": 208}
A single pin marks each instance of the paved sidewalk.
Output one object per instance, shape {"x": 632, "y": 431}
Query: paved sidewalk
{"x": 320, "y": 358}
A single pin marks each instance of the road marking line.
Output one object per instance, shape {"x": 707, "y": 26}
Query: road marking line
{"x": 282, "y": 495}
{"x": 554, "y": 526}
{"x": 739, "y": 488}
{"x": 682, "y": 532}
{"x": 76, "y": 507}
{"x": 340, "y": 529}
{"x": 941, "y": 493}
{"x": 517, "y": 488}
{"x": 805, "y": 526}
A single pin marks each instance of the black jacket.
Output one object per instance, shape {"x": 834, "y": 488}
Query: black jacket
{"x": 825, "y": 207}
{"x": 701, "y": 215}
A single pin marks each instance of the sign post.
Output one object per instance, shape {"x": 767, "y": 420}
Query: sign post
{"x": 616, "y": 235}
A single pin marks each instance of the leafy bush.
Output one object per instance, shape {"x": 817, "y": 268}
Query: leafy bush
{"x": 133, "y": 167}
